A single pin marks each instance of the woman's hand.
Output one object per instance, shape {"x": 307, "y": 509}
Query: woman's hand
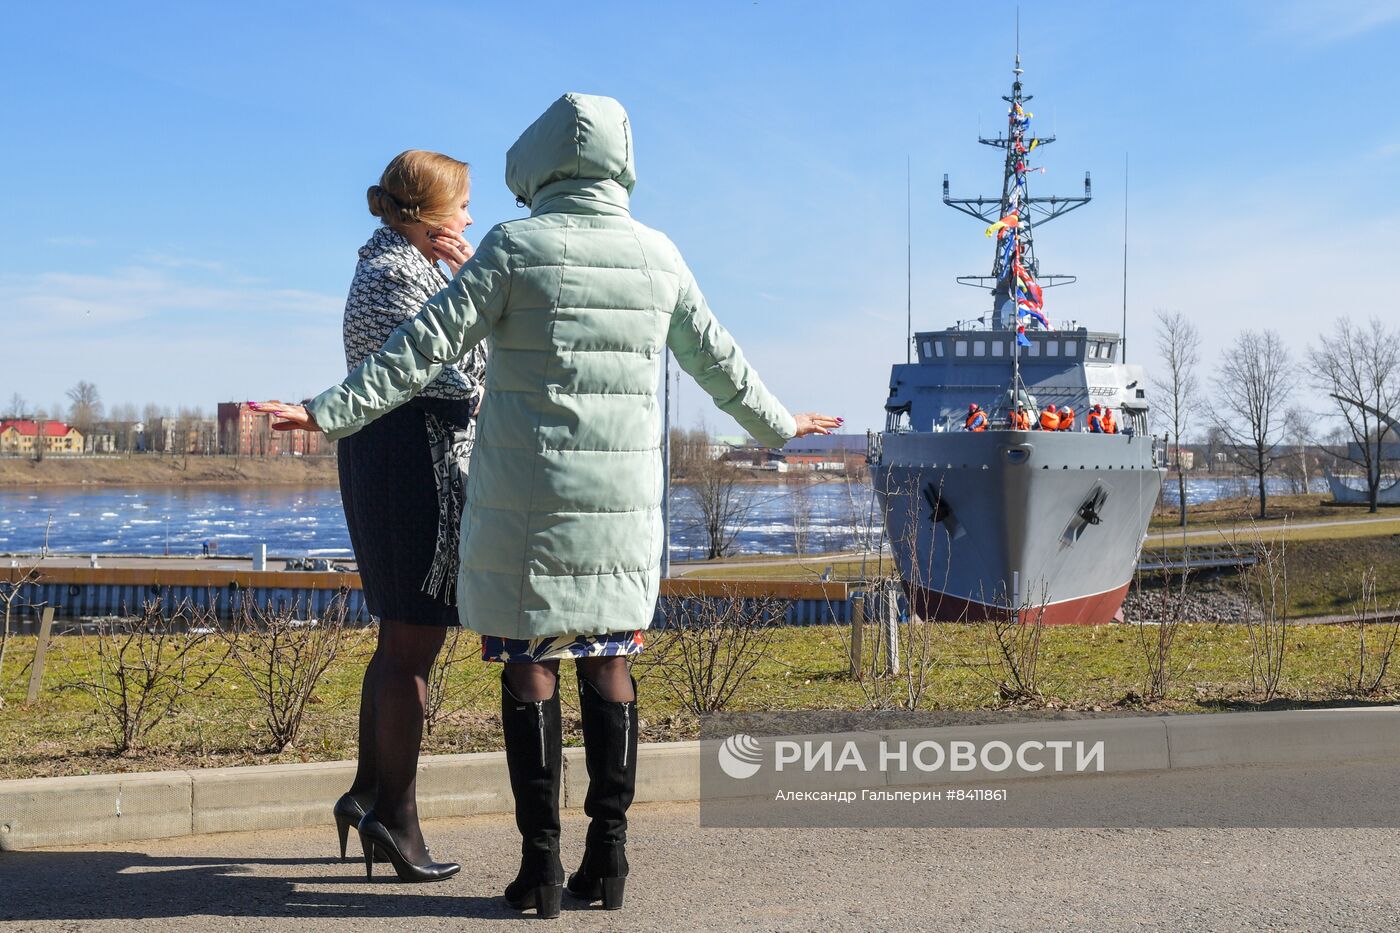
{"x": 811, "y": 423}
{"x": 286, "y": 417}
{"x": 451, "y": 249}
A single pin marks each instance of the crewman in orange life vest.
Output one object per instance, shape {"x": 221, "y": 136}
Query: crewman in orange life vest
{"x": 1096, "y": 420}
{"x": 976, "y": 419}
{"x": 1050, "y": 418}
{"x": 1066, "y": 419}
{"x": 1110, "y": 424}
{"x": 1020, "y": 419}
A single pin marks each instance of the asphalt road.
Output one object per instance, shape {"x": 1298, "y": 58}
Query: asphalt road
{"x": 687, "y": 877}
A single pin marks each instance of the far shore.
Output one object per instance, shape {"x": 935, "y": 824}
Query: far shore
{"x": 167, "y": 470}
{"x": 159, "y": 470}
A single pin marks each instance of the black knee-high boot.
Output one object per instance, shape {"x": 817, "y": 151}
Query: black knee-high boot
{"x": 535, "y": 760}
{"x": 610, "y": 750}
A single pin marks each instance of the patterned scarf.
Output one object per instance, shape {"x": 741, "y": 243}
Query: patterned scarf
{"x": 451, "y": 447}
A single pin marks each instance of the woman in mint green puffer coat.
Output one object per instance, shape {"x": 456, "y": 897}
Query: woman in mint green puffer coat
{"x": 561, "y": 533}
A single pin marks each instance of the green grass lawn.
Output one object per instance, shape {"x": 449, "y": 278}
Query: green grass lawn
{"x": 806, "y": 668}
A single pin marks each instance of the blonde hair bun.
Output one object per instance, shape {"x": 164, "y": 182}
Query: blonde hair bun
{"x": 419, "y": 186}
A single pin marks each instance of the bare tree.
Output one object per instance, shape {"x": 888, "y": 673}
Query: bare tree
{"x": 1358, "y": 366}
{"x": 1253, "y": 387}
{"x": 689, "y": 451}
{"x": 153, "y": 420}
{"x": 1216, "y": 446}
{"x": 1179, "y": 345}
{"x": 123, "y": 420}
{"x": 1297, "y": 463}
{"x": 799, "y": 494}
{"x": 85, "y": 406}
{"x": 41, "y": 436}
{"x": 724, "y": 503}
{"x": 17, "y": 408}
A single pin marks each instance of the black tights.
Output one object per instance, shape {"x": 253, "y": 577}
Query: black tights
{"x": 531, "y": 681}
{"x": 391, "y": 728}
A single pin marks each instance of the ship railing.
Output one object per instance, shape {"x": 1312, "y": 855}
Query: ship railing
{"x": 873, "y": 447}
{"x": 1179, "y": 558}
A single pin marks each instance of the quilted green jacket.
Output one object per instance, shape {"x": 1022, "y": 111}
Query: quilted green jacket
{"x": 561, "y": 533}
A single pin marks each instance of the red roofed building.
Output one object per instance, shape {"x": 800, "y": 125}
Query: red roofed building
{"x": 23, "y": 437}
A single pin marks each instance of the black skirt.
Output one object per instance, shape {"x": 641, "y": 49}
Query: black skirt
{"x": 391, "y": 487}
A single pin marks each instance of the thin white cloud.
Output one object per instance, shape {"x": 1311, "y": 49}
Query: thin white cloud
{"x": 169, "y": 261}
{"x": 48, "y": 300}
{"x": 1386, "y": 150}
{"x": 1324, "y": 21}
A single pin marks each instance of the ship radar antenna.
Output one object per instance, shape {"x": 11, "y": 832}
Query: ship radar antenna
{"x": 1016, "y": 282}
{"x": 1017, "y": 70}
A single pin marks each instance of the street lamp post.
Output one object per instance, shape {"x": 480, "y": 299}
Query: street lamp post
{"x": 666, "y": 470}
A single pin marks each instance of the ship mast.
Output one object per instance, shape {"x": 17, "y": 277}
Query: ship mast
{"x": 1013, "y": 217}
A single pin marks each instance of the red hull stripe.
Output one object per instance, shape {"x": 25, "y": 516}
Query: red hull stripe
{"x": 1086, "y": 610}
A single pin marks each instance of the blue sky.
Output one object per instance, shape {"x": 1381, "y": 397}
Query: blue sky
{"x": 185, "y": 182}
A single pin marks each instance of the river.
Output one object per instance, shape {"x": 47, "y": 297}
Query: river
{"x": 307, "y": 521}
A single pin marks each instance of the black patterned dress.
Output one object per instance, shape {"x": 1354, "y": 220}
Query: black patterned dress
{"x": 403, "y": 477}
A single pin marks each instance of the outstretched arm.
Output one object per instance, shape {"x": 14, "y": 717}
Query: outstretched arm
{"x": 450, "y": 324}
{"x": 708, "y": 353}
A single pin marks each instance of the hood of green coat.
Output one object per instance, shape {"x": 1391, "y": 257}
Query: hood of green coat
{"x": 582, "y": 138}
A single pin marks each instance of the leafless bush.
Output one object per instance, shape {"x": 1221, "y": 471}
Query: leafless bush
{"x": 12, "y": 590}
{"x": 146, "y": 666}
{"x": 1372, "y": 655}
{"x": 451, "y": 686}
{"x": 1267, "y": 618}
{"x": 283, "y": 658}
{"x": 897, "y": 669}
{"x": 862, "y": 519}
{"x": 1169, "y": 609}
{"x": 11, "y": 597}
{"x": 710, "y": 646}
{"x": 1011, "y": 646}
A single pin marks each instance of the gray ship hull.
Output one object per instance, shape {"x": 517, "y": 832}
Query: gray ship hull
{"x": 1349, "y": 495}
{"x": 1045, "y": 525}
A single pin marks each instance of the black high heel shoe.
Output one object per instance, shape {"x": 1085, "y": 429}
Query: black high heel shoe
{"x": 375, "y": 836}
{"x": 348, "y": 813}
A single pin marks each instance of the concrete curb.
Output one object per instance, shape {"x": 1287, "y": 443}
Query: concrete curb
{"x": 123, "y": 807}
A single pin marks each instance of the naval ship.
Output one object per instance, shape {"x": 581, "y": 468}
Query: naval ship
{"x": 1003, "y": 523}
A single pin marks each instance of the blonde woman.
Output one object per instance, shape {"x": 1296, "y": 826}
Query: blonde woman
{"x": 402, "y": 486}
{"x": 561, "y": 537}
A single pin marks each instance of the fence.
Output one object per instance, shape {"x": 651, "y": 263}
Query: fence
{"x": 78, "y": 593}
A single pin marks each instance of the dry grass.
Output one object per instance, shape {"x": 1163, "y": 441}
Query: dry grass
{"x": 806, "y": 668}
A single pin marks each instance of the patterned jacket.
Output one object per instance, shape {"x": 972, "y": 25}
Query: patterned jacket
{"x": 393, "y": 281}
